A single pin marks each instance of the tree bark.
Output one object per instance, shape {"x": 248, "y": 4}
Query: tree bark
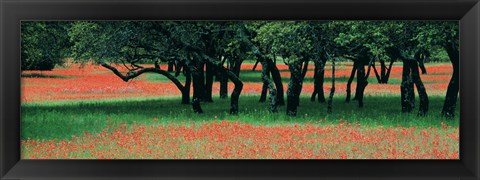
{"x": 379, "y": 79}
{"x": 302, "y": 77}
{"x": 421, "y": 63}
{"x": 270, "y": 85}
{"x": 294, "y": 87}
{"x": 451, "y": 96}
{"x": 277, "y": 79}
{"x": 406, "y": 89}
{"x": 235, "y": 66}
{"x": 236, "y": 91}
{"x": 332, "y": 90}
{"x": 208, "y": 83}
{"x": 422, "y": 93}
{"x": 196, "y": 106}
{"x": 349, "y": 83}
{"x": 361, "y": 84}
{"x": 387, "y": 75}
{"x": 305, "y": 69}
{"x": 319, "y": 77}
{"x": 198, "y": 82}
{"x": 266, "y": 84}
{"x": 223, "y": 86}
{"x": 186, "y": 88}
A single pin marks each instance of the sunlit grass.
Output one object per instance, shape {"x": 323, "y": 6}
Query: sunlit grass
{"x": 62, "y": 119}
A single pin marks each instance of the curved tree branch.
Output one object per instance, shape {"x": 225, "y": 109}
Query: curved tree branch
{"x": 134, "y": 74}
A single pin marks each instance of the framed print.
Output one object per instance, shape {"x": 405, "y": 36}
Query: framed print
{"x": 240, "y": 89}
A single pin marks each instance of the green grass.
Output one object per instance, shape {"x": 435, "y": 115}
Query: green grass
{"x": 39, "y": 75}
{"x": 256, "y": 77}
{"x": 62, "y": 119}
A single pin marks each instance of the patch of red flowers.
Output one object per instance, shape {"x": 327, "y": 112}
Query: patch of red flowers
{"x": 237, "y": 140}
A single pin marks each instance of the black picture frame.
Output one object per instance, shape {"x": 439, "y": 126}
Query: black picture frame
{"x": 14, "y": 11}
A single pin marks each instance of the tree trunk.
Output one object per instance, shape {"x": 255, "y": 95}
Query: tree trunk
{"x": 406, "y": 89}
{"x": 315, "y": 82}
{"x": 450, "y": 103}
{"x": 198, "y": 82}
{"x": 319, "y": 77}
{"x": 387, "y": 75}
{"x": 383, "y": 73}
{"x": 265, "y": 74}
{"x": 208, "y": 83}
{"x": 277, "y": 79}
{"x": 305, "y": 69}
{"x": 223, "y": 86}
{"x": 349, "y": 83}
{"x": 236, "y": 91}
{"x": 379, "y": 79}
{"x": 270, "y": 85}
{"x": 196, "y": 106}
{"x": 421, "y": 63}
{"x": 178, "y": 69}
{"x": 294, "y": 87}
{"x": 235, "y": 66}
{"x": 255, "y": 65}
{"x": 170, "y": 67}
{"x": 332, "y": 90}
{"x": 186, "y": 88}
{"x": 361, "y": 84}
{"x": 422, "y": 93}
{"x": 304, "y": 73}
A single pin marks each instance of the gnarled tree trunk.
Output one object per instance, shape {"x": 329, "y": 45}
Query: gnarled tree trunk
{"x": 406, "y": 89}
{"x": 302, "y": 77}
{"x": 361, "y": 84}
{"x": 270, "y": 85}
{"x": 223, "y": 85}
{"x": 277, "y": 79}
{"x": 450, "y": 103}
{"x": 349, "y": 83}
{"x": 319, "y": 77}
{"x": 294, "y": 87}
{"x": 186, "y": 88}
{"x": 332, "y": 90}
{"x": 198, "y": 81}
{"x": 266, "y": 84}
{"x": 208, "y": 83}
{"x": 387, "y": 75}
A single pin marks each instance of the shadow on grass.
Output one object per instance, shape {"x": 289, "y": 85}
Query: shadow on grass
{"x": 256, "y": 77}
{"x": 47, "y": 121}
{"x": 38, "y": 75}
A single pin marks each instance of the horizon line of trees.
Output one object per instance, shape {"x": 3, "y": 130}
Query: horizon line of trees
{"x": 205, "y": 51}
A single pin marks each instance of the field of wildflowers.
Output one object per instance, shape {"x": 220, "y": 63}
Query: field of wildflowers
{"x": 86, "y": 112}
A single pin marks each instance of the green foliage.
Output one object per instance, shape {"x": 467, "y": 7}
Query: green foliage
{"x": 119, "y": 42}
{"x": 438, "y": 33}
{"x": 292, "y": 40}
{"x": 43, "y": 44}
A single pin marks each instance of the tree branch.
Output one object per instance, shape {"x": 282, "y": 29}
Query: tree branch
{"x": 134, "y": 74}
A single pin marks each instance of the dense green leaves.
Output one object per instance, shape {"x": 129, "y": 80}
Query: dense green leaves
{"x": 43, "y": 44}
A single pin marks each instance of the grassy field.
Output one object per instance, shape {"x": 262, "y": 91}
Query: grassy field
{"x": 63, "y": 119}
{"x": 89, "y": 113}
